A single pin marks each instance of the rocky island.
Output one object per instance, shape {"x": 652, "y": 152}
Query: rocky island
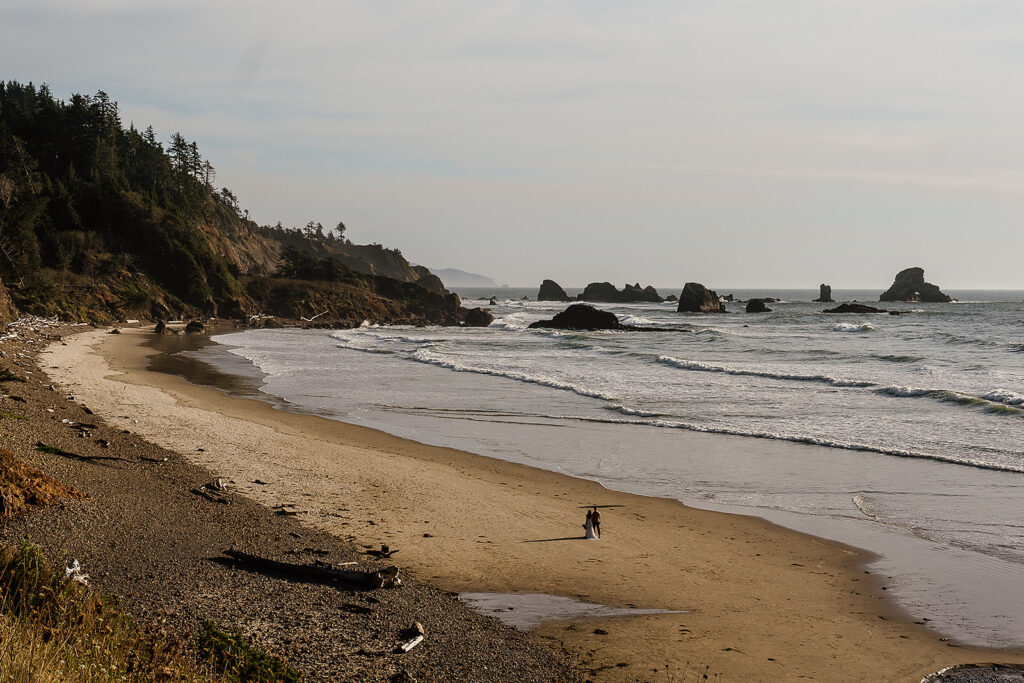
{"x": 696, "y": 298}
{"x": 910, "y": 286}
{"x": 825, "y": 294}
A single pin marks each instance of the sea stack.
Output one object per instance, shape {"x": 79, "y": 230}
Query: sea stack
{"x": 581, "y": 317}
{"x": 757, "y": 306}
{"x": 825, "y": 295}
{"x": 696, "y": 298}
{"x": 910, "y": 286}
{"x": 605, "y": 292}
{"x": 552, "y": 291}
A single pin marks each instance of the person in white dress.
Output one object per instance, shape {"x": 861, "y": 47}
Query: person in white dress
{"x": 589, "y": 527}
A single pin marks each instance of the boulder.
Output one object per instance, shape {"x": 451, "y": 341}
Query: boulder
{"x": 194, "y": 327}
{"x": 757, "y": 306}
{"x": 552, "y": 291}
{"x": 671, "y": 297}
{"x": 696, "y": 298}
{"x": 728, "y": 297}
{"x": 853, "y": 308}
{"x": 478, "y": 317}
{"x": 605, "y": 292}
{"x": 161, "y": 327}
{"x": 824, "y": 295}
{"x": 910, "y": 286}
{"x": 581, "y": 317}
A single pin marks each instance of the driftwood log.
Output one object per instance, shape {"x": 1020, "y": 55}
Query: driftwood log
{"x": 383, "y": 578}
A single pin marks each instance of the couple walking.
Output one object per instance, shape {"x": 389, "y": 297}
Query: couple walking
{"x": 593, "y": 525}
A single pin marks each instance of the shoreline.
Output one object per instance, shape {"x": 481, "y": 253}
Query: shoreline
{"x": 765, "y": 601}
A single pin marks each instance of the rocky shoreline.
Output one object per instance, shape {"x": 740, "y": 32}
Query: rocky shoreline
{"x": 153, "y": 529}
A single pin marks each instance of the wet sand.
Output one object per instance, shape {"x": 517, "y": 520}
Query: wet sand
{"x": 763, "y": 602}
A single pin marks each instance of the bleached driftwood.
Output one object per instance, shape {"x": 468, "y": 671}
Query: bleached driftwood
{"x": 410, "y": 644}
{"x": 309, "y": 320}
{"x": 384, "y": 578}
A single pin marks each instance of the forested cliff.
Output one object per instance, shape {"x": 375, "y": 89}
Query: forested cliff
{"x": 100, "y": 222}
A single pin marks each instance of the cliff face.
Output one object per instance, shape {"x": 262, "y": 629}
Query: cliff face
{"x": 100, "y": 222}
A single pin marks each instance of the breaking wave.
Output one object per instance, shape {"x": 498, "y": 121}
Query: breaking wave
{"x": 707, "y": 367}
{"x": 853, "y": 327}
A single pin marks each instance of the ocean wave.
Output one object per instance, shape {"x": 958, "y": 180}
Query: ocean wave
{"x": 425, "y": 356}
{"x": 999, "y": 401}
{"x": 513, "y": 321}
{"x": 853, "y": 327}
{"x": 706, "y": 367}
{"x": 864, "y": 505}
{"x": 1010, "y": 398}
{"x": 896, "y": 358}
{"x": 628, "y": 319}
{"x": 798, "y": 438}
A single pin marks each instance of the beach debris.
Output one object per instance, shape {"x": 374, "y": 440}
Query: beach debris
{"x": 53, "y": 450}
{"x": 283, "y": 509}
{"x": 114, "y": 331}
{"x": 410, "y": 644}
{"x": 74, "y": 572}
{"x": 388, "y": 577}
{"x": 103, "y": 443}
{"x": 215, "y": 492}
{"x": 384, "y": 552}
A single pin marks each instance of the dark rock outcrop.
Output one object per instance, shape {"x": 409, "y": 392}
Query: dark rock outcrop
{"x": 478, "y": 317}
{"x": 696, "y": 298}
{"x": 671, "y": 297}
{"x": 581, "y": 317}
{"x": 7, "y": 310}
{"x": 757, "y": 306}
{"x": 194, "y": 327}
{"x": 825, "y": 295}
{"x": 431, "y": 282}
{"x": 552, "y": 291}
{"x": 605, "y": 292}
{"x": 728, "y": 297}
{"x": 854, "y": 308}
{"x": 161, "y": 327}
{"x": 910, "y": 286}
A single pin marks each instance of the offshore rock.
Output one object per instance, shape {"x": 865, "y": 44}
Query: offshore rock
{"x": 910, "y": 286}
{"x": 696, "y": 298}
{"x": 478, "y": 317}
{"x": 757, "y": 306}
{"x": 854, "y": 308}
{"x": 581, "y": 317}
{"x": 552, "y": 291}
{"x": 825, "y": 295}
{"x": 605, "y": 292}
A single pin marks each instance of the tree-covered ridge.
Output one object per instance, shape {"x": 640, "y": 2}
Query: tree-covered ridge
{"x": 89, "y": 203}
{"x": 99, "y": 220}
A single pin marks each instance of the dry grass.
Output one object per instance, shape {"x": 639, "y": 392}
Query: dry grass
{"x": 56, "y": 628}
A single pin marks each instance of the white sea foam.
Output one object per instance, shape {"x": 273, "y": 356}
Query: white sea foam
{"x": 853, "y": 327}
{"x": 999, "y": 401}
{"x": 637, "y": 320}
{"x": 426, "y": 356}
{"x": 865, "y": 505}
{"x": 1010, "y": 398}
{"x": 707, "y": 367}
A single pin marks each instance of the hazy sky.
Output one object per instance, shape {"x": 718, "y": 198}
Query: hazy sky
{"x": 757, "y": 143}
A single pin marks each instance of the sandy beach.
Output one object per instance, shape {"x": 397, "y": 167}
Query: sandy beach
{"x": 761, "y": 602}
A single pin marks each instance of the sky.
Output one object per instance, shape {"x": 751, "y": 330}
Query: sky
{"x": 734, "y": 143}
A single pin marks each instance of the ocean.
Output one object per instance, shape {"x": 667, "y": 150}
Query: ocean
{"x": 901, "y": 434}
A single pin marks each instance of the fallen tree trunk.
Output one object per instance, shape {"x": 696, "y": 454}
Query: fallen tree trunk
{"x": 384, "y": 578}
